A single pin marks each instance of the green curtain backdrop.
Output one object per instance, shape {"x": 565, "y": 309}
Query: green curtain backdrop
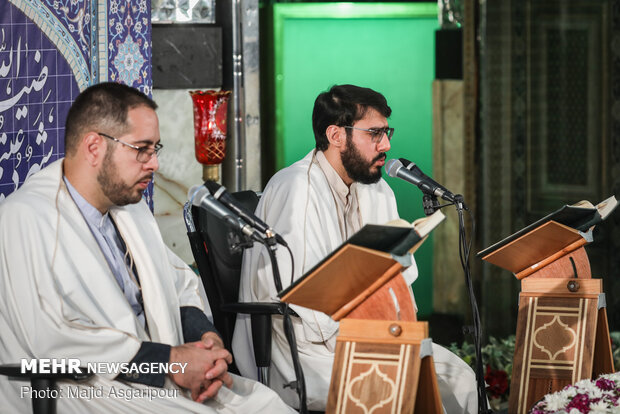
{"x": 385, "y": 46}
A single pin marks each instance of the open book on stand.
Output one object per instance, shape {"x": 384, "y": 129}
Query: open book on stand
{"x": 580, "y": 216}
{"x": 545, "y": 241}
{"x": 374, "y": 252}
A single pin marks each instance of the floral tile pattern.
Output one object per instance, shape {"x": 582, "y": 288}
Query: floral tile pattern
{"x": 129, "y": 43}
{"x": 50, "y": 50}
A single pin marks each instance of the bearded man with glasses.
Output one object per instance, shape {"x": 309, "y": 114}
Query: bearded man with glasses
{"x": 84, "y": 273}
{"x": 316, "y": 204}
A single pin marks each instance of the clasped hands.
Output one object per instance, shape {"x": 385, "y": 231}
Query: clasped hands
{"x": 207, "y": 366}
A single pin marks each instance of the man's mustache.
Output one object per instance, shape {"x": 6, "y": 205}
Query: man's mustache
{"x": 145, "y": 178}
{"x": 379, "y": 157}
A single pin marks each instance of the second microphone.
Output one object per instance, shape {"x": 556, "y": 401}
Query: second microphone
{"x": 220, "y": 194}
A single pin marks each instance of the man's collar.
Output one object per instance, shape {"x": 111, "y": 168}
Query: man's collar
{"x": 90, "y": 213}
{"x": 333, "y": 178}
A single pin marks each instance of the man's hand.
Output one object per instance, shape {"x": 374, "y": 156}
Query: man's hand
{"x": 212, "y": 341}
{"x": 200, "y": 361}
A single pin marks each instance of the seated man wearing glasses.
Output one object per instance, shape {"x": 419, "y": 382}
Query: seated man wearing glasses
{"x": 316, "y": 204}
{"x": 85, "y": 274}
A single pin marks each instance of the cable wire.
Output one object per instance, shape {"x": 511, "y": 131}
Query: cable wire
{"x": 464, "y": 254}
{"x": 290, "y": 252}
{"x": 289, "y": 333}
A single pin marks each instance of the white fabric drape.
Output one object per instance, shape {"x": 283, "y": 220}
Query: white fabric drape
{"x": 298, "y": 204}
{"x": 59, "y": 299}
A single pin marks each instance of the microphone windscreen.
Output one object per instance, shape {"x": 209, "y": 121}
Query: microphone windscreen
{"x": 392, "y": 166}
{"x": 196, "y": 193}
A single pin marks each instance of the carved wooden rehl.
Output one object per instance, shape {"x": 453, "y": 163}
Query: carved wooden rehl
{"x": 562, "y": 332}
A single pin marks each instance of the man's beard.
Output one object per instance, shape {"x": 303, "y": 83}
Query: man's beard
{"x": 357, "y": 168}
{"x": 113, "y": 187}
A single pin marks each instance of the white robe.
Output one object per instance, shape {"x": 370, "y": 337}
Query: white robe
{"x": 59, "y": 299}
{"x": 298, "y": 204}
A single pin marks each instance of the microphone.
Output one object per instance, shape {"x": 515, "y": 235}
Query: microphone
{"x": 414, "y": 175}
{"x": 411, "y": 166}
{"x": 199, "y": 196}
{"x": 220, "y": 194}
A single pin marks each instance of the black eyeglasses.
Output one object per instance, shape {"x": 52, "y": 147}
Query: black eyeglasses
{"x": 144, "y": 154}
{"x": 376, "y": 135}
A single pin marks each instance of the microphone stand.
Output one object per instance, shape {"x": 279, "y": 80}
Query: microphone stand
{"x": 243, "y": 241}
{"x": 271, "y": 245}
{"x": 431, "y": 204}
{"x": 476, "y": 329}
{"x": 300, "y": 384}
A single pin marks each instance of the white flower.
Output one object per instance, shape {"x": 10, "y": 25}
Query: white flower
{"x": 568, "y": 393}
{"x": 593, "y": 391}
{"x": 613, "y": 377}
{"x": 119, "y": 28}
{"x": 556, "y": 401}
{"x": 586, "y": 391}
{"x": 584, "y": 383}
{"x": 599, "y": 408}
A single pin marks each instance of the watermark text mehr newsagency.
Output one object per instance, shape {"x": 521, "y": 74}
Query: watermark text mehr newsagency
{"x": 74, "y": 366}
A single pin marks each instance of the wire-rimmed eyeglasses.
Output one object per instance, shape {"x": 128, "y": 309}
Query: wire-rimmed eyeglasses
{"x": 144, "y": 153}
{"x": 376, "y": 135}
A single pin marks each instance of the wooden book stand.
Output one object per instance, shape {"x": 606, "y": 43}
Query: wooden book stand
{"x": 383, "y": 367}
{"x": 383, "y": 361}
{"x": 562, "y": 332}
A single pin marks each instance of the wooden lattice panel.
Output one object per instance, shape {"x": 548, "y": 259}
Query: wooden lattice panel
{"x": 379, "y": 372}
{"x": 373, "y": 378}
{"x": 555, "y": 341}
